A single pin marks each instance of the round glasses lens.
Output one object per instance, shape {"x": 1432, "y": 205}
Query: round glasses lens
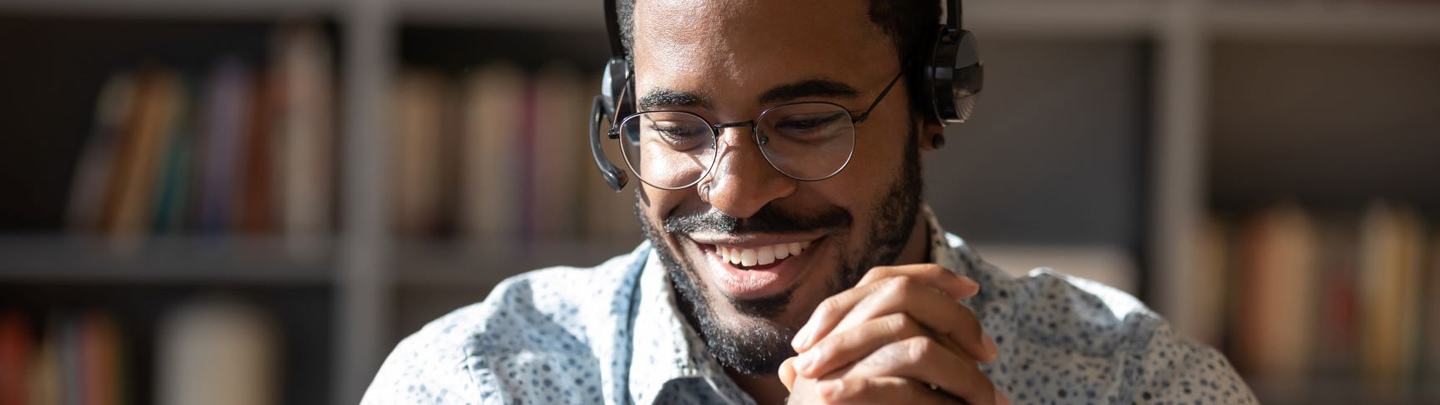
{"x": 667, "y": 149}
{"x": 808, "y": 141}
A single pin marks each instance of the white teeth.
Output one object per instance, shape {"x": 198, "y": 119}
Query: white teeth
{"x": 759, "y": 256}
{"x": 748, "y": 257}
{"x": 765, "y": 255}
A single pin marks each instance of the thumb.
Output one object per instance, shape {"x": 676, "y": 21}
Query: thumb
{"x": 787, "y": 373}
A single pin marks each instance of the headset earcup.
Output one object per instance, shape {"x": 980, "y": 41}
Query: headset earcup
{"x": 954, "y": 76}
{"x": 969, "y": 77}
{"x": 616, "y": 75}
{"x": 939, "y": 74}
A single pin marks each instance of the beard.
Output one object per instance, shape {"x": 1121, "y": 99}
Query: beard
{"x": 757, "y": 343}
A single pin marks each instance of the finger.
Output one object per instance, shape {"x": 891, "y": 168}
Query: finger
{"x": 879, "y": 390}
{"x": 827, "y": 314}
{"x": 957, "y": 286}
{"x": 936, "y": 312}
{"x": 850, "y": 345}
{"x": 922, "y": 359}
{"x": 787, "y": 373}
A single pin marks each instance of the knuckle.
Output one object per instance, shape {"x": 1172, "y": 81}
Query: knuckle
{"x": 878, "y": 272}
{"x": 827, "y": 306}
{"x": 901, "y": 283}
{"x": 900, "y": 325}
{"x": 919, "y": 348}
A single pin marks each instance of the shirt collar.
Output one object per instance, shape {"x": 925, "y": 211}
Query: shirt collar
{"x": 666, "y": 348}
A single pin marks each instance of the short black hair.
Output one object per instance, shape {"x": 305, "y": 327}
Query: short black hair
{"x": 906, "y": 22}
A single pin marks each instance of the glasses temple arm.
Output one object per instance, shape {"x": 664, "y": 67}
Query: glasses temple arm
{"x": 866, "y": 114}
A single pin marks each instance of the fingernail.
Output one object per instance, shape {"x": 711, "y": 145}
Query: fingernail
{"x": 1001, "y": 399}
{"x": 805, "y": 362}
{"x": 802, "y": 338}
{"x": 968, "y": 287}
{"x": 829, "y": 389}
{"x": 991, "y": 349}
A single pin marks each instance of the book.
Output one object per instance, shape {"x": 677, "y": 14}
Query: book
{"x": 1276, "y": 287}
{"x": 559, "y": 134}
{"x": 415, "y": 151}
{"x": 131, "y": 185}
{"x": 175, "y": 168}
{"x": 226, "y": 106}
{"x": 218, "y": 351}
{"x": 1432, "y": 309}
{"x": 489, "y": 207}
{"x": 305, "y": 136}
{"x": 1335, "y": 314}
{"x": 1203, "y": 317}
{"x": 97, "y": 159}
{"x": 47, "y": 374}
{"x": 17, "y": 351}
{"x": 99, "y": 366}
{"x": 255, "y": 176}
{"x": 1391, "y": 250}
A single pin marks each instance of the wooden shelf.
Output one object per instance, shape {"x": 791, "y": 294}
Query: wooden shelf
{"x": 52, "y": 259}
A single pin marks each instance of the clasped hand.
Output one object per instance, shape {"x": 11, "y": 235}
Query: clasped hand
{"x": 900, "y": 336}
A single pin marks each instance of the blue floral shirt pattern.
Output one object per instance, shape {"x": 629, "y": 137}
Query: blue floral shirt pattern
{"x": 612, "y": 334}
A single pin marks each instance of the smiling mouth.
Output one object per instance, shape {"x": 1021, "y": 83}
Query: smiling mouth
{"x": 759, "y": 258}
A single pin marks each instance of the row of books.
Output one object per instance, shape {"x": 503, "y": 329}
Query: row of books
{"x": 241, "y": 148}
{"x": 500, "y": 153}
{"x": 1300, "y": 294}
{"x": 214, "y": 350}
{"x": 79, "y": 360}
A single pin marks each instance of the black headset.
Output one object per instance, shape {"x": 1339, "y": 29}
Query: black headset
{"x": 951, "y": 76}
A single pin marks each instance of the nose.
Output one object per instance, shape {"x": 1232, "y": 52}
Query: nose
{"x": 742, "y": 181}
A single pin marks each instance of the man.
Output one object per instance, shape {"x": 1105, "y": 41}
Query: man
{"x": 790, "y": 258}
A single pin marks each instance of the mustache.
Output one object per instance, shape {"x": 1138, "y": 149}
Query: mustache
{"x": 767, "y": 220}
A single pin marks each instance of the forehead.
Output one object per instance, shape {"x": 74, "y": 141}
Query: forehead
{"x": 713, "y": 46}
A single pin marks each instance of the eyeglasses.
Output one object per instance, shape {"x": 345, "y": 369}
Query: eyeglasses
{"x": 807, "y": 141}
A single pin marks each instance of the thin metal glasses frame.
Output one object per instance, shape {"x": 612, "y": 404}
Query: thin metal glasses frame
{"x": 716, "y": 129}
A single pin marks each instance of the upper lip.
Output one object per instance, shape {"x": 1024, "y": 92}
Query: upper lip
{"x": 751, "y": 241}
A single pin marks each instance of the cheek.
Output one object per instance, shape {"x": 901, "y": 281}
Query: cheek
{"x": 872, "y": 169}
{"x": 657, "y": 204}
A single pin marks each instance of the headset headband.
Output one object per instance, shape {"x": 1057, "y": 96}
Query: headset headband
{"x": 612, "y": 26}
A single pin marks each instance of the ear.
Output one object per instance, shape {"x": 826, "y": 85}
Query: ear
{"x": 932, "y": 136}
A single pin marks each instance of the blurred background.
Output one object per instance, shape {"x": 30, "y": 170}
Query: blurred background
{"x": 253, "y": 201}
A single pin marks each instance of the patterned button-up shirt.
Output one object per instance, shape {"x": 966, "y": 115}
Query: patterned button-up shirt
{"x": 613, "y": 334}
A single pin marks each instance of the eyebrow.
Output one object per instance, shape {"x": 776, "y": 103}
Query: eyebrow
{"x": 808, "y": 88}
{"x": 662, "y": 97}
{"x": 670, "y": 98}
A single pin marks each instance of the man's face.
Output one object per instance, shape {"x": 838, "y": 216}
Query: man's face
{"x": 727, "y": 61}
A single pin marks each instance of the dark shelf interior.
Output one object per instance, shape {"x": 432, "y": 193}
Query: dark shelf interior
{"x": 301, "y": 316}
{"x": 1329, "y": 125}
{"x": 54, "y": 70}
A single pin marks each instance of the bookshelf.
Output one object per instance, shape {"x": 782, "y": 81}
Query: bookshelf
{"x": 1170, "y": 59}
{"x": 162, "y": 260}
